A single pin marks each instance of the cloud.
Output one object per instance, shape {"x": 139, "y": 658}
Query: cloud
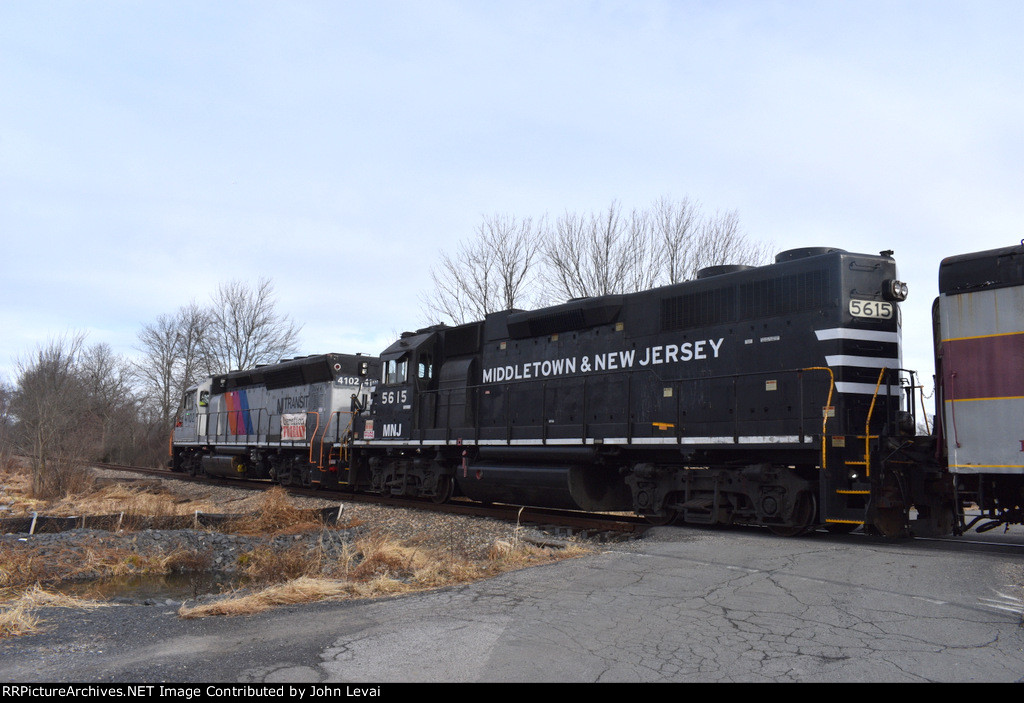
{"x": 150, "y": 151}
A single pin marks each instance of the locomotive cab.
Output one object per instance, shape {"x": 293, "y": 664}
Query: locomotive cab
{"x": 406, "y": 402}
{"x": 191, "y": 419}
{"x": 407, "y": 370}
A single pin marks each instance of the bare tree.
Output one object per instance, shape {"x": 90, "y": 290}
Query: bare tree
{"x": 601, "y": 254}
{"x": 515, "y": 244}
{"x": 582, "y": 255}
{"x": 675, "y": 226}
{"x": 246, "y": 329}
{"x": 6, "y": 420}
{"x": 643, "y": 253}
{"x": 156, "y": 370}
{"x": 565, "y": 269}
{"x": 495, "y": 271}
{"x": 172, "y": 358}
{"x": 720, "y": 241}
{"x": 193, "y": 324}
{"x": 54, "y": 427}
{"x": 112, "y": 402}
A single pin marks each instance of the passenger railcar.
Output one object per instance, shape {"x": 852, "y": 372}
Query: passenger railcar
{"x": 767, "y": 396}
{"x": 288, "y": 422}
{"x": 979, "y": 343}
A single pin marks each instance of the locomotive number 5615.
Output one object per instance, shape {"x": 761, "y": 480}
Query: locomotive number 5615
{"x": 871, "y": 308}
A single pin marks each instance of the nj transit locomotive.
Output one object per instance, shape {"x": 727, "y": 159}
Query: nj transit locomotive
{"x": 290, "y": 422}
{"x": 768, "y": 396}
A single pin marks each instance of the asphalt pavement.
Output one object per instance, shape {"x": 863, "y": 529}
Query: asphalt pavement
{"x": 680, "y": 605}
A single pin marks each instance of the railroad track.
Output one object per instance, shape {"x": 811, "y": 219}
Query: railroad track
{"x": 572, "y": 522}
{"x": 576, "y": 522}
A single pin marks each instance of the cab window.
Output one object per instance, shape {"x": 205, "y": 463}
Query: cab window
{"x": 425, "y": 367}
{"x": 396, "y": 371}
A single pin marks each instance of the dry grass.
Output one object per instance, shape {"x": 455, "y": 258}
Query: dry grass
{"x": 16, "y": 489}
{"x": 374, "y": 567}
{"x": 136, "y": 498}
{"x": 22, "y": 571}
{"x": 273, "y": 514}
{"x": 391, "y": 560}
{"x": 25, "y": 567}
{"x": 17, "y": 620}
{"x": 301, "y": 590}
{"x": 17, "y": 608}
{"x": 148, "y": 499}
{"x": 265, "y": 565}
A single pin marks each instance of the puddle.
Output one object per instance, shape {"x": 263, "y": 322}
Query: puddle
{"x": 141, "y": 587}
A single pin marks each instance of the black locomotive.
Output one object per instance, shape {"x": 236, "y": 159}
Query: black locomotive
{"x": 758, "y": 396}
{"x": 769, "y": 395}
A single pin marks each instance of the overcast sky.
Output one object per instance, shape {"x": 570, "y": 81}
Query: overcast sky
{"x": 151, "y": 150}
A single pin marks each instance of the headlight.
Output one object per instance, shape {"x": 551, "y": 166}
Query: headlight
{"x": 894, "y": 290}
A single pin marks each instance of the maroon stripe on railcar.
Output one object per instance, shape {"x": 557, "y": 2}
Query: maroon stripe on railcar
{"x": 984, "y": 367}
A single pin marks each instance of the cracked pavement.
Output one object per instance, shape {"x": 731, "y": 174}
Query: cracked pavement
{"x": 681, "y": 605}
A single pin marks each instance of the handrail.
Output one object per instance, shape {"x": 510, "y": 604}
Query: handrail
{"x": 867, "y": 424}
{"x": 337, "y": 437}
{"x": 315, "y": 428}
{"x": 824, "y": 412}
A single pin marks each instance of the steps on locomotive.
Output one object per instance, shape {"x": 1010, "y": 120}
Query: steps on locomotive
{"x": 846, "y": 505}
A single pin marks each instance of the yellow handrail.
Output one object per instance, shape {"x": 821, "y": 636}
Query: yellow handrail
{"x": 824, "y": 412}
{"x": 867, "y": 424}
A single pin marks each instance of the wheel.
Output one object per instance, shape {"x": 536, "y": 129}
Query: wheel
{"x": 307, "y": 476}
{"x": 804, "y": 512}
{"x": 288, "y": 475}
{"x": 445, "y": 488}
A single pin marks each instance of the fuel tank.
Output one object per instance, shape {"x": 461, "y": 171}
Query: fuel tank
{"x": 565, "y": 486}
{"x": 224, "y": 465}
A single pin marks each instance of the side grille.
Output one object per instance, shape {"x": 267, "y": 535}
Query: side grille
{"x": 700, "y": 309}
{"x": 781, "y": 296}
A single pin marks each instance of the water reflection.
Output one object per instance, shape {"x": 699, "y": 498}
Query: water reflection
{"x": 176, "y": 586}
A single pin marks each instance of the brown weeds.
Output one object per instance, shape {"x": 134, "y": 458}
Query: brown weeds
{"x": 274, "y": 514}
{"x": 22, "y": 567}
{"x": 132, "y": 501}
{"x": 17, "y": 608}
{"x": 374, "y": 567}
{"x": 301, "y": 590}
{"x": 17, "y": 620}
{"x": 265, "y": 565}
